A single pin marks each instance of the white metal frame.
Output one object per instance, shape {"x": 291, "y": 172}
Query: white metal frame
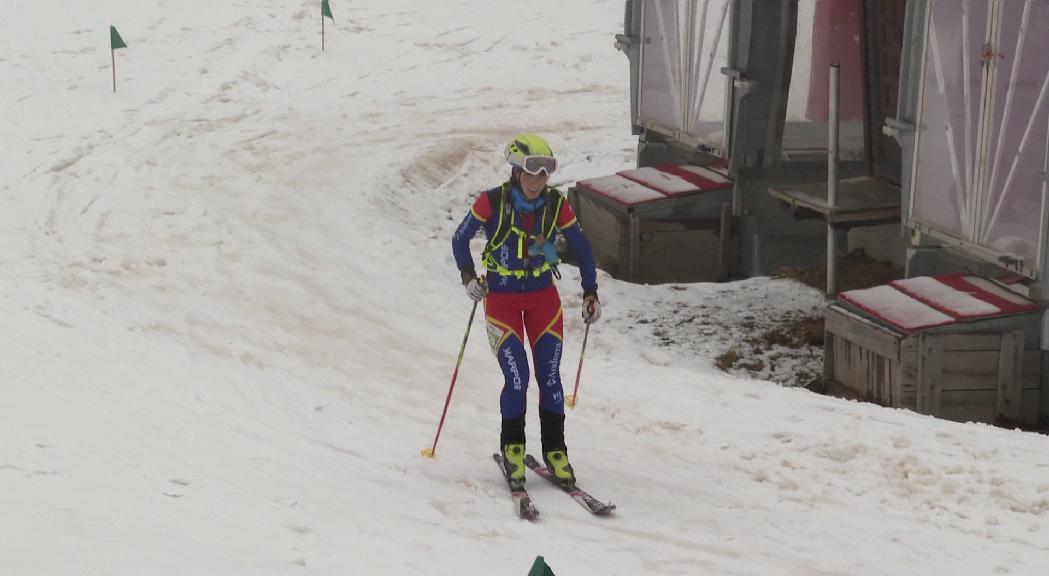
{"x": 641, "y": 120}
{"x": 981, "y": 171}
{"x": 689, "y": 76}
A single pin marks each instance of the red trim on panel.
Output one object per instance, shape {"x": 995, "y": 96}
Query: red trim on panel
{"x": 698, "y": 180}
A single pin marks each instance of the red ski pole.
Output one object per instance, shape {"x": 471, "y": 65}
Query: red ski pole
{"x": 431, "y": 452}
{"x": 571, "y": 400}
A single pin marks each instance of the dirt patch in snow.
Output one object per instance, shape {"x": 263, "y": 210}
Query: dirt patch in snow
{"x": 788, "y": 347}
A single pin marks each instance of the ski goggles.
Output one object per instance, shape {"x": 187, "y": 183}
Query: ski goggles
{"x": 536, "y": 164}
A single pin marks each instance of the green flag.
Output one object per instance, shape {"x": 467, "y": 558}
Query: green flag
{"x": 326, "y": 10}
{"x": 540, "y": 568}
{"x": 115, "y": 41}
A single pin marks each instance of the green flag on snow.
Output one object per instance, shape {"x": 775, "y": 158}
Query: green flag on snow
{"x": 115, "y": 41}
{"x": 326, "y": 10}
{"x": 539, "y": 568}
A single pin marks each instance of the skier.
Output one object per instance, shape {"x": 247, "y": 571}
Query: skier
{"x": 520, "y": 218}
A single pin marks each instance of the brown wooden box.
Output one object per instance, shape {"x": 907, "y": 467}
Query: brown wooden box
{"x": 673, "y": 240}
{"x": 981, "y": 371}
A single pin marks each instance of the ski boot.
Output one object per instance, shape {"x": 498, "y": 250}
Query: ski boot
{"x": 514, "y": 464}
{"x": 555, "y": 455}
{"x": 557, "y": 462}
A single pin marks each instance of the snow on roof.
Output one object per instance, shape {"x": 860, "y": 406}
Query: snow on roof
{"x": 622, "y": 190}
{"x": 945, "y": 298}
{"x": 665, "y": 182}
{"x": 930, "y": 301}
{"x": 897, "y": 308}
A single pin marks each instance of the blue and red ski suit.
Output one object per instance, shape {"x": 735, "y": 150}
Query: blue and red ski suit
{"x": 522, "y": 298}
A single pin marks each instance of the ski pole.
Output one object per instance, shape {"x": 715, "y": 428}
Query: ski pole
{"x": 431, "y": 452}
{"x": 571, "y": 400}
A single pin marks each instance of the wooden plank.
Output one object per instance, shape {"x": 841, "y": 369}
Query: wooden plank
{"x": 963, "y": 342}
{"x": 838, "y": 370}
{"x": 886, "y": 215}
{"x": 909, "y": 401}
{"x": 970, "y": 370}
{"x": 908, "y": 370}
{"x": 930, "y": 373}
{"x": 847, "y": 367}
{"x": 875, "y": 377}
{"x": 885, "y": 378}
{"x": 1032, "y": 374}
{"x": 856, "y": 370}
{"x": 635, "y": 247}
{"x": 864, "y": 373}
{"x": 862, "y": 331}
{"x": 829, "y": 355}
{"x": 1010, "y": 376}
{"x": 839, "y": 390}
{"x": 968, "y": 406}
{"x": 869, "y": 385}
{"x": 724, "y": 234}
{"x": 894, "y": 373}
{"x": 604, "y": 230}
{"x": 871, "y": 374}
{"x": 677, "y": 256}
{"x": 653, "y": 226}
{"x": 980, "y": 406}
{"x": 856, "y": 196}
{"x": 847, "y": 352}
{"x": 1029, "y": 406}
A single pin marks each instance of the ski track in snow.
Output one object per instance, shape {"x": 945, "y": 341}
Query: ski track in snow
{"x": 232, "y": 315}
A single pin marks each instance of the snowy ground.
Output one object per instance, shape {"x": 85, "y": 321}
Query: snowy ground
{"x": 230, "y": 318}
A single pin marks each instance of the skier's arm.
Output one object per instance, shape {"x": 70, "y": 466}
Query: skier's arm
{"x": 477, "y": 217}
{"x": 579, "y": 246}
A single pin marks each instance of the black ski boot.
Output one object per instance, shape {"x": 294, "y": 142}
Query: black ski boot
{"x": 555, "y": 453}
{"x": 512, "y": 447}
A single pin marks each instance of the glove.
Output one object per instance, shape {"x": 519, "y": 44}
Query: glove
{"x": 476, "y": 288}
{"x": 591, "y": 307}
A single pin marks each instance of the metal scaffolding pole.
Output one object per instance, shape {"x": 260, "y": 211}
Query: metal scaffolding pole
{"x": 832, "y": 180}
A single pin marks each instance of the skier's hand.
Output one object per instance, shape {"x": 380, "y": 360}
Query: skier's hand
{"x": 476, "y": 288}
{"x": 591, "y": 307}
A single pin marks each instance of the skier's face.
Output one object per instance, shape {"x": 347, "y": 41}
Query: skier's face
{"x": 532, "y": 184}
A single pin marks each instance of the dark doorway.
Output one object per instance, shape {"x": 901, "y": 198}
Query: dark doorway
{"x": 884, "y": 20}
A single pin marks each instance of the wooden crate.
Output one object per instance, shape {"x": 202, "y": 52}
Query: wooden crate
{"x": 675, "y": 240}
{"x": 982, "y": 371}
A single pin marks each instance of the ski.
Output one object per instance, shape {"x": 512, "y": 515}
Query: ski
{"x": 522, "y": 503}
{"x": 591, "y": 504}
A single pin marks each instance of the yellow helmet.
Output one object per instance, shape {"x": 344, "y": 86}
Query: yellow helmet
{"x": 531, "y": 154}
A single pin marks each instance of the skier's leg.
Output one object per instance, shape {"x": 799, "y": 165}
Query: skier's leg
{"x": 505, "y": 324}
{"x": 544, "y": 322}
{"x": 514, "y": 362}
{"x": 505, "y": 331}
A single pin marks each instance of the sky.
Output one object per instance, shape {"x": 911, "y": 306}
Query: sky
{"x": 231, "y": 317}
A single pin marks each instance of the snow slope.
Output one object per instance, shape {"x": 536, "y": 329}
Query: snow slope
{"x": 231, "y": 315}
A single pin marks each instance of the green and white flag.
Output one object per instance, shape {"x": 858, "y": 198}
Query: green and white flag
{"x": 115, "y": 41}
{"x": 325, "y": 13}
